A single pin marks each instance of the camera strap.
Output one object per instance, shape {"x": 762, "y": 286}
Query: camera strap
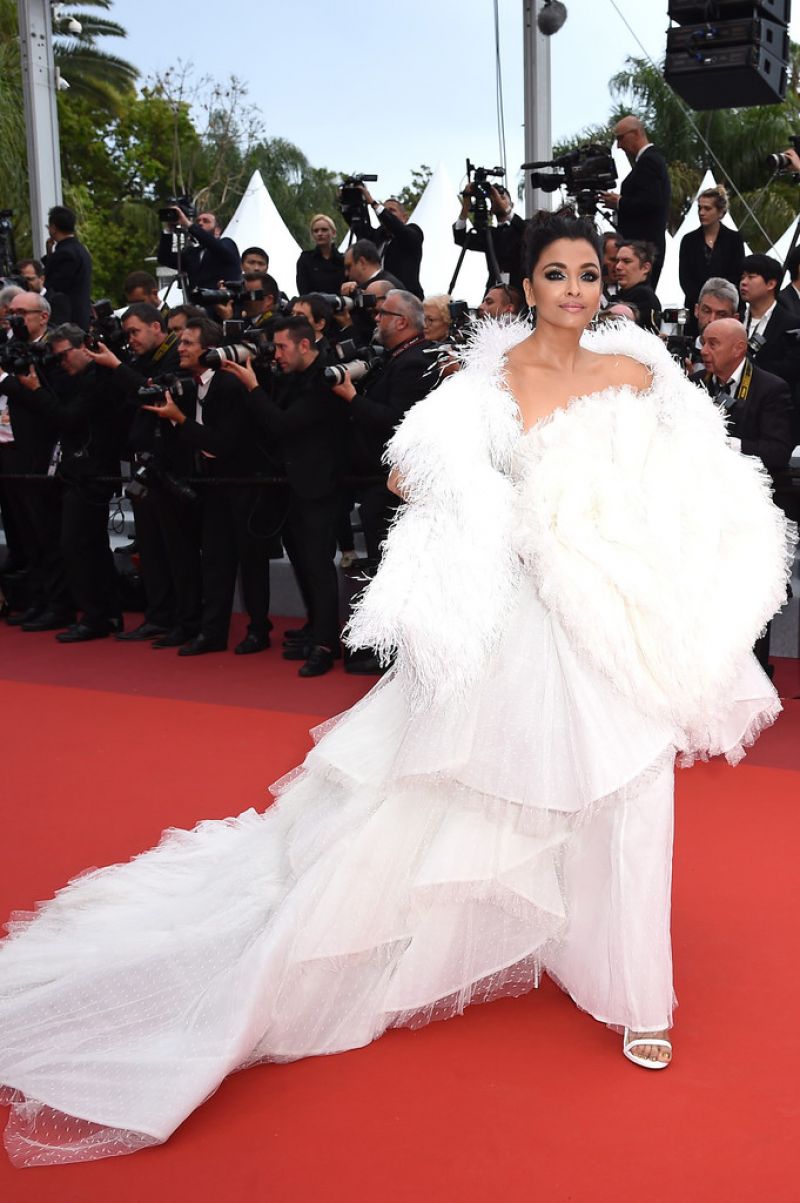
{"x": 167, "y": 345}
{"x": 747, "y": 377}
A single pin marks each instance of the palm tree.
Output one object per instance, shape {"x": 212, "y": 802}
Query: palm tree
{"x": 101, "y": 78}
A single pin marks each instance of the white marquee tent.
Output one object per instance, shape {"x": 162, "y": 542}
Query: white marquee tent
{"x": 257, "y": 222}
{"x": 435, "y": 213}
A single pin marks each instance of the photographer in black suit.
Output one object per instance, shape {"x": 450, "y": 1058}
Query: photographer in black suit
{"x": 789, "y": 296}
{"x": 208, "y": 259}
{"x": 167, "y": 522}
{"x": 77, "y": 406}
{"x": 507, "y": 235}
{"x": 399, "y": 241}
{"x": 68, "y": 265}
{"x": 310, "y": 425}
{"x": 643, "y": 201}
{"x": 237, "y": 527}
{"x": 770, "y": 327}
{"x": 757, "y": 407}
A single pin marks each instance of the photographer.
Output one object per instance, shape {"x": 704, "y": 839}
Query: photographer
{"x": 643, "y": 200}
{"x": 32, "y": 272}
{"x": 398, "y": 240}
{"x": 321, "y": 269}
{"x": 774, "y": 346}
{"x": 35, "y": 505}
{"x": 239, "y": 532}
{"x": 167, "y": 523}
{"x": 76, "y": 403}
{"x": 507, "y": 235}
{"x": 68, "y": 265}
{"x": 254, "y": 259}
{"x": 718, "y": 300}
{"x": 319, "y": 315}
{"x": 757, "y": 408}
{"x": 789, "y": 296}
{"x": 634, "y": 264}
{"x": 500, "y": 301}
{"x": 310, "y": 425}
{"x": 142, "y": 288}
{"x": 611, "y": 244}
{"x": 208, "y": 259}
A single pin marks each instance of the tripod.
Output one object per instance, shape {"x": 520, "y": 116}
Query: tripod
{"x": 480, "y": 226}
{"x": 8, "y": 251}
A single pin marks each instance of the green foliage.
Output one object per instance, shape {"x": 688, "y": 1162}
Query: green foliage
{"x": 410, "y": 194}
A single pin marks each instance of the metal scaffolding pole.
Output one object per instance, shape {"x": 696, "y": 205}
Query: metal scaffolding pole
{"x": 41, "y": 116}
{"x": 538, "y": 126}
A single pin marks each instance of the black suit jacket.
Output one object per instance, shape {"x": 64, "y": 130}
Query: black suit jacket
{"x": 646, "y": 301}
{"x": 68, "y": 270}
{"x": 780, "y": 353}
{"x": 763, "y": 420}
{"x": 309, "y": 423}
{"x": 644, "y": 200}
{"x": 84, "y": 414}
{"x": 228, "y": 431}
{"x": 507, "y": 238}
{"x": 409, "y": 374}
{"x": 790, "y": 300}
{"x": 726, "y": 261}
{"x": 315, "y": 273}
{"x": 34, "y": 434}
{"x": 400, "y": 243}
{"x": 208, "y": 262}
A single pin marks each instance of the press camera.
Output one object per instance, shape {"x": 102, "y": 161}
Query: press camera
{"x": 168, "y": 212}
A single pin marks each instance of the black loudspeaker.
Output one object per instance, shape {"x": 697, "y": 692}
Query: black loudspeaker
{"x": 728, "y": 55}
{"x": 733, "y": 77}
{"x": 689, "y": 11}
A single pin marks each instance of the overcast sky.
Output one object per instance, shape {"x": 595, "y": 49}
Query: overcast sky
{"x": 384, "y": 87}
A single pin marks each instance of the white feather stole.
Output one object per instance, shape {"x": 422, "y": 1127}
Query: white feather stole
{"x": 657, "y": 546}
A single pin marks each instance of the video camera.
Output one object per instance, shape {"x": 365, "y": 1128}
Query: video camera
{"x": 351, "y": 203}
{"x": 356, "y": 360}
{"x": 584, "y": 173}
{"x": 168, "y": 215}
{"x": 480, "y": 196}
{"x": 18, "y": 354}
{"x": 779, "y": 161}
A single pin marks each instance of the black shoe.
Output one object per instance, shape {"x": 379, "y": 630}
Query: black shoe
{"x": 319, "y": 662}
{"x": 16, "y": 620}
{"x": 365, "y": 666}
{"x": 82, "y": 632}
{"x": 146, "y": 630}
{"x": 296, "y": 651}
{"x": 174, "y": 637}
{"x": 129, "y": 549}
{"x": 252, "y": 643}
{"x": 48, "y": 620}
{"x": 297, "y": 634}
{"x": 202, "y": 644}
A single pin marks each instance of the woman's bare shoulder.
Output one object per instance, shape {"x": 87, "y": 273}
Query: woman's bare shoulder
{"x": 616, "y": 370}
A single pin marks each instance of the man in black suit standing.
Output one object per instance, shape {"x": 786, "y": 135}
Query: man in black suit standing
{"x": 237, "y": 534}
{"x": 789, "y": 296}
{"x": 643, "y": 201}
{"x": 77, "y": 405}
{"x": 68, "y": 265}
{"x": 399, "y": 241}
{"x": 758, "y": 409}
{"x": 208, "y": 259}
{"x": 507, "y": 235}
{"x": 770, "y": 326}
{"x": 310, "y": 425}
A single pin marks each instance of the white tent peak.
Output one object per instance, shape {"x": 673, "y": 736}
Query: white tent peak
{"x": 257, "y": 222}
{"x": 435, "y": 212}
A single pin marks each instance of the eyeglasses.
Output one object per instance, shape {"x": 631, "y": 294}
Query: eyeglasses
{"x": 387, "y": 313}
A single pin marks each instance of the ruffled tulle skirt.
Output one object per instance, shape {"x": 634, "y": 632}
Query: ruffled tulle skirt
{"x": 414, "y": 864}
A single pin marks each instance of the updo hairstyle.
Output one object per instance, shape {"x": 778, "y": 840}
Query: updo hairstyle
{"x": 719, "y": 195}
{"x": 546, "y": 227}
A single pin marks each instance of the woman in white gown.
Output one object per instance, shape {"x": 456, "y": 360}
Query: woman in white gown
{"x": 570, "y": 597}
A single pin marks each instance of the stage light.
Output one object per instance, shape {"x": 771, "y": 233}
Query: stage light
{"x": 551, "y": 17}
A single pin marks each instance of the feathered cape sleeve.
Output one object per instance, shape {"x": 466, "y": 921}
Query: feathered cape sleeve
{"x": 656, "y": 545}
{"x": 446, "y": 579}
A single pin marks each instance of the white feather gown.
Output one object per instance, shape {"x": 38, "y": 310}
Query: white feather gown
{"x": 500, "y": 803}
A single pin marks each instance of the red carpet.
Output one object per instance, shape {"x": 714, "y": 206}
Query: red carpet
{"x": 104, "y": 745}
